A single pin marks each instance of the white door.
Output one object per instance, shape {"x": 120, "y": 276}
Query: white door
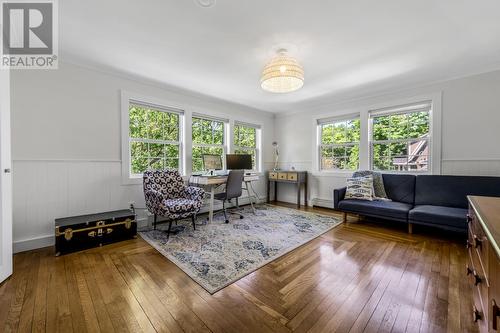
{"x": 5, "y": 179}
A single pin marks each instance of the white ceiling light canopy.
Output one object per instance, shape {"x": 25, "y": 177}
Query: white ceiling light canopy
{"x": 206, "y": 3}
{"x": 283, "y": 74}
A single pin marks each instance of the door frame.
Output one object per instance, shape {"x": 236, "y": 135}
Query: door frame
{"x": 5, "y": 178}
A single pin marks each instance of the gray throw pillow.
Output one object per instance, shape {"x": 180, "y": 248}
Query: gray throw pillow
{"x": 378, "y": 182}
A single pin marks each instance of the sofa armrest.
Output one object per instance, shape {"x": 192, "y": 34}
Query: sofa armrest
{"x": 338, "y": 195}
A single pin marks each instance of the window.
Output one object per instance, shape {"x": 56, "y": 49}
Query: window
{"x": 208, "y": 138}
{"x": 339, "y": 144}
{"x": 154, "y": 138}
{"x": 401, "y": 138}
{"x": 245, "y": 141}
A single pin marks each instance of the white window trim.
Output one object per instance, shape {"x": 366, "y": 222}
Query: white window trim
{"x": 257, "y": 142}
{"x": 365, "y": 135}
{"x": 224, "y": 146}
{"x": 128, "y": 98}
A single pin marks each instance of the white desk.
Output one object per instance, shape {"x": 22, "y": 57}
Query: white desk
{"x": 214, "y": 181}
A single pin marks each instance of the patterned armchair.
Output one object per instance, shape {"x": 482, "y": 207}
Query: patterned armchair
{"x": 167, "y": 196}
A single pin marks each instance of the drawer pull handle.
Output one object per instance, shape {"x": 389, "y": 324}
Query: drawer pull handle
{"x": 476, "y": 315}
{"x": 477, "y": 278}
{"x": 495, "y": 312}
{"x": 477, "y": 242}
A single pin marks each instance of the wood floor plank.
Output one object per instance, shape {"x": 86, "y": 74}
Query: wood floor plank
{"x": 358, "y": 277}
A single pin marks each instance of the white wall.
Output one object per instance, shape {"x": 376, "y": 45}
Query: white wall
{"x": 66, "y": 145}
{"x": 470, "y": 132}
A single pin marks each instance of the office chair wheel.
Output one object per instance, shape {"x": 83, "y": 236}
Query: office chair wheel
{"x": 227, "y": 221}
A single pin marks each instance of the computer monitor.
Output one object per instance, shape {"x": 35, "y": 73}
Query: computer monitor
{"x": 212, "y": 162}
{"x": 239, "y": 162}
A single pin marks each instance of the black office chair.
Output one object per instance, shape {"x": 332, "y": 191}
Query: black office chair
{"x": 233, "y": 191}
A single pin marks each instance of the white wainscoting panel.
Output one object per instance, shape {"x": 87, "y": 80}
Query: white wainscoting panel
{"x": 490, "y": 167}
{"x": 47, "y": 189}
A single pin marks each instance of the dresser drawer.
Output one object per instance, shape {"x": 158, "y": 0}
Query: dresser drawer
{"x": 282, "y": 175}
{"x": 273, "y": 175}
{"x": 478, "y": 312}
{"x": 292, "y": 176}
{"x": 478, "y": 241}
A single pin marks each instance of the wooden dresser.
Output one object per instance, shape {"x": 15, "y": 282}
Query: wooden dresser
{"x": 483, "y": 267}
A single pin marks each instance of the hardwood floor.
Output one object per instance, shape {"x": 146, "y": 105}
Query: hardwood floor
{"x": 357, "y": 277}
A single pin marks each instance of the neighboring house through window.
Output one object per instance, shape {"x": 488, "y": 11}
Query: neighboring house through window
{"x": 401, "y": 138}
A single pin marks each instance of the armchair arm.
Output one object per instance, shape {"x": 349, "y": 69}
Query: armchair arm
{"x": 338, "y": 195}
{"x": 194, "y": 193}
{"x": 154, "y": 201}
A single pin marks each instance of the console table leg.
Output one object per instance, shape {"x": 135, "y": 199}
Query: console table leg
{"x": 298, "y": 195}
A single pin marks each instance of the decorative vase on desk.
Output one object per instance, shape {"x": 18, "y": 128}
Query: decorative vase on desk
{"x": 276, "y": 156}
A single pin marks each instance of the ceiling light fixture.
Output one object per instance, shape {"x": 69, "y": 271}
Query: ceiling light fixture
{"x": 283, "y": 74}
{"x": 206, "y": 3}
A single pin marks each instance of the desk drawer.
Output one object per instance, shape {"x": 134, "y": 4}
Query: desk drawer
{"x": 292, "y": 176}
{"x": 282, "y": 175}
{"x": 273, "y": 175}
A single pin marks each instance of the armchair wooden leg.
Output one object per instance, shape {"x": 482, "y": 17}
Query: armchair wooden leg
{"x": 169, "y": 227}
{"x": 344, "y": 217}
{"x": 154, "y": 222}
{"x": 193, "y": 218}
{"x": 410, "y": 228}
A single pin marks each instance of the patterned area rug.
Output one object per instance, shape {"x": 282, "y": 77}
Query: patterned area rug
{"x": 218, "y": 254}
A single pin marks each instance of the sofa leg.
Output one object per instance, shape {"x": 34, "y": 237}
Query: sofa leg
{"x": 410, "y": 228}
{"x": 344, "y": 217}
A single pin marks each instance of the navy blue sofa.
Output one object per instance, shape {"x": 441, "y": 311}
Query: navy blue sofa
{"x": 433, "y": 200}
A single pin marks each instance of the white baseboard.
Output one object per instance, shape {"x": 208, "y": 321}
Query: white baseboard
{"x": 322, "y": 202}
{"x": 33, "y": 243}
{"x": 49, "y": 240}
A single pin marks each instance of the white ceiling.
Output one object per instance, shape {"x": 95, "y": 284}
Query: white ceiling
{"x": 348, "y": 48}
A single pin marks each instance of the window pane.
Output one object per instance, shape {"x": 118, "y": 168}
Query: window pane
{"x": 139, "y": 149}
{"x": 352, "y": 156}
{"x": 327, "y": 134}
{"x": 155, "y": 164}
{"x": 326, "y": 158}
{"x": 155, "y": 125}
{"x": 170, "y": 127}
{"x": 381, "y": 128}
{"x": 137, "y": 122}
{"x": 172, "y": 152}
{"x": 139, "y": 165}
{"x": 338, "y": 151}
{"x": 398, "y": 127}
{"x": 353, "y": 130}
{"x": 156, "y": 150}
{"x": 339, "y": 132}
{"x": 398, "y": 149}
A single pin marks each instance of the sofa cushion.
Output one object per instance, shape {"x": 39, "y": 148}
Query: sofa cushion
{"x": 452, "y": 191}
{"x": 440, "y": 215}
{"x": 390, "y": 209}
{"x": 400, "y": 188}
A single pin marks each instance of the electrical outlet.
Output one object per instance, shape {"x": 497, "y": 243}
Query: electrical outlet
{"x": 131, "y": 205}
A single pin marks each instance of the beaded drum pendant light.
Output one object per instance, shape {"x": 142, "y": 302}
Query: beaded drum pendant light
{"x": 283, "y": 74}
